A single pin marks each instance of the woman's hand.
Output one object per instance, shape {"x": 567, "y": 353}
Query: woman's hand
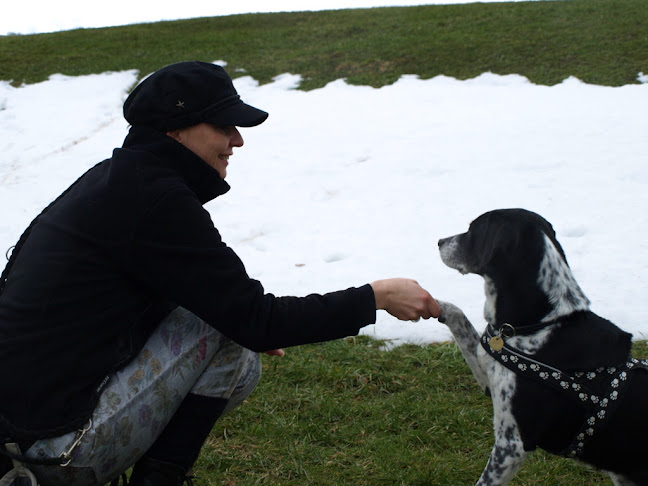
{"x": 405, "y": 299}
{"x": 275, "y": 352}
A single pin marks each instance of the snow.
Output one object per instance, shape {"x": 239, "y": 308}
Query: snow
{"x": 347, "y": 184}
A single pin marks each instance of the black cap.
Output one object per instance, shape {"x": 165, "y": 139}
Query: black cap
{"x": 186, "y": 94}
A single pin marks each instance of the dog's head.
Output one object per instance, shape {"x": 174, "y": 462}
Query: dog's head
{"x": 525, "y": 268}
{"x": 498, "y": 240}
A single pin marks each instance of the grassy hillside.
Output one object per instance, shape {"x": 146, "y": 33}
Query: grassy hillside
{"x": 599, "y": 41}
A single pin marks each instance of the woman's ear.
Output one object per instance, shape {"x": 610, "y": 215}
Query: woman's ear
{"x": 174, "y": 134}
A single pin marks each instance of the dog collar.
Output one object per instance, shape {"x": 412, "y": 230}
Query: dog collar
{"x": 526, "y": 329}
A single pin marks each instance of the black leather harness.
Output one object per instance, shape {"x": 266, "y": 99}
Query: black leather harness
{"x": 601, "y": 405}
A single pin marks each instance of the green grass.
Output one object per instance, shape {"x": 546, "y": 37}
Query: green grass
{"x": 599, "y": 41}
{"x": 349, "y": 412}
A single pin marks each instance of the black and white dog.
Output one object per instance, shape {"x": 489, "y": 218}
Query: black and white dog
{"x": 561, "y": 378}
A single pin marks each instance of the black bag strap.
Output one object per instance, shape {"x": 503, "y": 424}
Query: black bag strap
{"x": 16, "y": 248}
{"x": 17, "y": 456}
{"x": 9, "y": 450}
{"x": 19, "y": 475}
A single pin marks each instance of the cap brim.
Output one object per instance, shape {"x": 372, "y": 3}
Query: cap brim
{"x": 238, "y": 115}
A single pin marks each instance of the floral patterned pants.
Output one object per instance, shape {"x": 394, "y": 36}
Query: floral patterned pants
{"x": 184, "y": 355}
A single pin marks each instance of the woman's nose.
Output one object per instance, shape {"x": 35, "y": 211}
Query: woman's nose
{"x": 236, "y": 139}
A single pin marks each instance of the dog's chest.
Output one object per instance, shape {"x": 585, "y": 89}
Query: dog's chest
{"x": 502, "y": 381}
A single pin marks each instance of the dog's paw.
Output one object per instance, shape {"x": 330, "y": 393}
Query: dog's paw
{"x": 449, "y": 312}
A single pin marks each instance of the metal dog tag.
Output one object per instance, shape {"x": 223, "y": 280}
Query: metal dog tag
{"x": 496, "y": 343}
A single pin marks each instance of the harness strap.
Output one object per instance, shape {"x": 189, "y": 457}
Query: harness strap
{"x": 601, "y": 406}
{"x": 525, "y": 365}
{"x": 604, "y": 409}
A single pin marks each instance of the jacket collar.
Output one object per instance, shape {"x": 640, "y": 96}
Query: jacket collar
{"x": 201, "y": 178}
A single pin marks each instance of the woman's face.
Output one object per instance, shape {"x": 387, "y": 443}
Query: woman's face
{"x": 213, "y": 144}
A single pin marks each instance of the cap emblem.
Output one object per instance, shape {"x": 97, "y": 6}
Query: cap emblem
{"x": 180, "y": 105}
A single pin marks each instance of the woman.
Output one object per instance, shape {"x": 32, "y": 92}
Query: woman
{"x": 127, "y": 326}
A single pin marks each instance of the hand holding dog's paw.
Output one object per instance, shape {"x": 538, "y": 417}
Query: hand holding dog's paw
{"x": 405, "y": 299}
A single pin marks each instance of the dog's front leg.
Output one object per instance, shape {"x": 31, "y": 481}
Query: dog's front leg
{"x": 619, "y": 480}
{"x": 503, "y": 464}
{"x": 466, "y": 338}
{"x": 508, "y": 453}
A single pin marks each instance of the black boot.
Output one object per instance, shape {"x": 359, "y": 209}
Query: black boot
{"x": 149, "y": 472}
{"x": 183, "y": 437}
{"x": 167, "y": 461}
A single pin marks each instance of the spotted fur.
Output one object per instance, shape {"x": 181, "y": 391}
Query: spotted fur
{"x": 529, "y": 285}
{"x": 491, "y": 299}
{"x": 557, "y": 281}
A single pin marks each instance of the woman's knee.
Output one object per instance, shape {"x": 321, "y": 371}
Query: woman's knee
{"x": 233, "y": 374}
{"x": 248, "y": 382}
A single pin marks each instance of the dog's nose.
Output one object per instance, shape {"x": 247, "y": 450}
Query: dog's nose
{"x": 442, "y": 241}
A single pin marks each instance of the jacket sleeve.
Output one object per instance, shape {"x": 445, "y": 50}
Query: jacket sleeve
{"x": 178, "y": 252}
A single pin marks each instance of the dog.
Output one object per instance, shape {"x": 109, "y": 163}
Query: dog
{"x": 560, "y": 377}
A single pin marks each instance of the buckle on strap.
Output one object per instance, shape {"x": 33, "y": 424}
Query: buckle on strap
{"x": 67, "y": 455}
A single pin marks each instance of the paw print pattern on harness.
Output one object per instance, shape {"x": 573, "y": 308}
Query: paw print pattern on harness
{"x": 602, "y": 407}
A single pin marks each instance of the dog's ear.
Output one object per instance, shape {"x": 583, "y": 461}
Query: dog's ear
{"x": 549, "y": 231}
{"x": 510, "y": 240}
{"x": 546, "y": 227}
{"x": 492, "y": 237}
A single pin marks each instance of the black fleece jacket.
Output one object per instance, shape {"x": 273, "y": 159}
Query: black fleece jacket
{"x": 104, "y": 263}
